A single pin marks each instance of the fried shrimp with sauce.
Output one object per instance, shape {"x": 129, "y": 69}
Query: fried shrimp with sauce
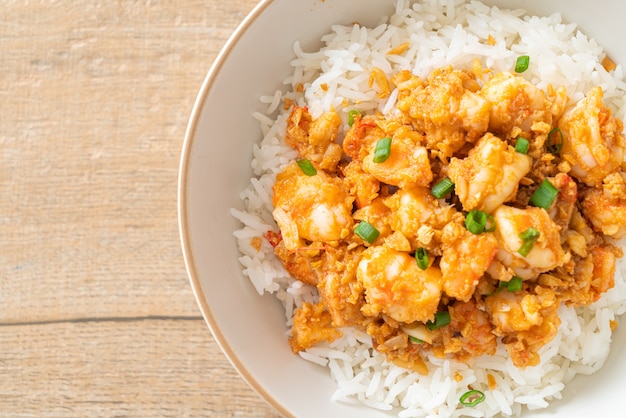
{"x": 458, "y": 221}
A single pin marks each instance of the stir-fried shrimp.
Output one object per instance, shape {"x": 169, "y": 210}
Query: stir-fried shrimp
{"x": 465, "y": 258}
{"x": 315, "y": 208}
{"x": 407, "y": 165}
{"x": 593, "y": 139}
{"x": 447, "y": 108}
{"x": 591, "y": 276}
{"x": 606, "y": 207}
{"x": 417, "y": 215}
{"x": 315, "y": 139}
{"x": 395, "y": 286}
{"x": 437, "y": 231}
{"x": 516, "y": 106}
{"x": 489, "y": 175}
{"x": 545, "y": 253}
{"x": 525, "y": 320}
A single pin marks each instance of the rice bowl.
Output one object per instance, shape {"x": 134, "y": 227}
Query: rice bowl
{"x": 279, "y": 284}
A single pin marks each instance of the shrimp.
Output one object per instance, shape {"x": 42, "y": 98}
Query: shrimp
{"x": 546, "y": 254}
{"x": 526, "y": 320}
{"x": 590, "y": 276}
{"x": 408, "y": 163}
{"x": 593, "y": 142}
{"x": 416, "y": 213}
{"x": 447, "y": 109}
{"x": 315, "y": 208}
{"x": 466, "y": 257}
{"x": 489, "y": 175}
{"x": 515, "y": 103}
{"x": 314, "y": 139}
{"x": 395, "y": 286}
{"x": 605, "y": 207}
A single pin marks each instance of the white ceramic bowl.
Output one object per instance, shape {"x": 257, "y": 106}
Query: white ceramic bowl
{"x": 215, "y": 167}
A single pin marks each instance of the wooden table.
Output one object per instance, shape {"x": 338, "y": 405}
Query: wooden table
{"x": 97, "y": 314}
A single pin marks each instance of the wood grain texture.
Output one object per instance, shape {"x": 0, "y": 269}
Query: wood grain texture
{"x": 94, "y": 369}
{"x": 97, "y": 317}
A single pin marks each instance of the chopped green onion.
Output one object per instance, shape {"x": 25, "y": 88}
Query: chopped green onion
{"x": 472, "y": 398}
{"x": 307, "y": 167}
{"x": 421, "y": 255}
{"x": 554, "y": 148}
{"x": 351, "y": 115}
{"x": 442, "y": 188}
{"x": 367, "y": 231}
{"x": 544, "y": 195}
{"x": 382, "y": 151}
{"x": 415, "y": 340}
{"x": 526, "y": 247}
{"x": 528, "y": 237}
{"x": 441, "y": 320}
{"x": 477, "y": 222}
{"x": 521, "y": 145}
{"x": 530, "y": 233}
{"x": 514, "y": 285}
{"x": 521, "y": 64}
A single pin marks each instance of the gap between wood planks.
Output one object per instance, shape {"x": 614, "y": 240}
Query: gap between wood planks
{"x": 106, "y": 319}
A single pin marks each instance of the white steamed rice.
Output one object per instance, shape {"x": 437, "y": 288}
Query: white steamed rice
{"x": 440, "y": 32}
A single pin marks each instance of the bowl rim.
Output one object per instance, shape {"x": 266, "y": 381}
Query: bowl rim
{"x": 183, "y": 220}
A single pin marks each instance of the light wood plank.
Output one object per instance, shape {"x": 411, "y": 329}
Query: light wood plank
{"x": 94, "y": 101}
{"x": 151, "y": 368}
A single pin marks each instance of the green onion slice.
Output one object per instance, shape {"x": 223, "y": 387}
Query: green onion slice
{"x": 472, "y": 398}
{"x": 442, "y": 188}
{"x": 307, "y": 167}
{"x": 351, "y": 115}
{"x": 367, "y": 231}
{"x": 554, "y": 148}
{"x": 521, "y": 64}
{"x": 415, "y": 340}
{"x": 530, "y": 233}
{"x": 441, "y": 320}
{"x": 421, "y": 256}
{"x": 514, "y": 285}
{"x": 544, "y": 195}
{"x": 382, "y": 151}
{"x": 521, "y": 145}
{"x": 477, "y": 222}
{"x": 528, "y": 237}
